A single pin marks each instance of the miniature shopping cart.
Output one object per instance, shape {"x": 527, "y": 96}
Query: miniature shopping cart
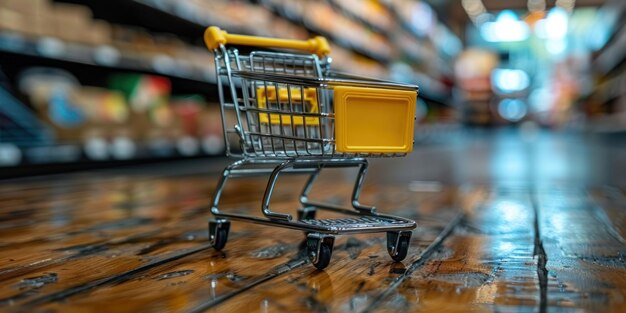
{"x": 288, "y": 113}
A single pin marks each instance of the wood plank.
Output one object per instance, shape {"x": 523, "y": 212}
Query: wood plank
{"x": 486, "y": 265}
{"x": 609, "y": 205}
{"x": 585, "y": 266}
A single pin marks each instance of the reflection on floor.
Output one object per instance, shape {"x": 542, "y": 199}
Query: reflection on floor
{"x": 515, "y": 157}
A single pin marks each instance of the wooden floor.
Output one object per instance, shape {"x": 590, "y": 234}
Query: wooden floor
{"x": 138, "y": 242}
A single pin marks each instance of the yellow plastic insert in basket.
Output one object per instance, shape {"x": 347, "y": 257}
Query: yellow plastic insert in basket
{"x": 297, "y": 106}
{"x": 374, "y": 120}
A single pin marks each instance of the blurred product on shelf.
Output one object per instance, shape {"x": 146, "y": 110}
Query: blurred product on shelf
{"x": 199, "y": 122}
{"x": 136, "y": 110}
{"x": 50, "y": 92}
{"x": 19, "y": 128}
{"x": 474, "y": 93}
{"x": 152, "y": 119}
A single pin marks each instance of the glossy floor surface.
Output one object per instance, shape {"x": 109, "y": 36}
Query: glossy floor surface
{"x": 507, "y": 222}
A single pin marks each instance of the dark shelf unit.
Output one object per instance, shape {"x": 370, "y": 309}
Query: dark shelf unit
{"x": 612, "y": 55}
{"x": 609, "y": 67}
{"x": 151, "y": 18}
{"x": 18, "y": 52}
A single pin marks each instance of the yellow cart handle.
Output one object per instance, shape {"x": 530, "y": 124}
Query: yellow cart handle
{"x": 214, "y": 37}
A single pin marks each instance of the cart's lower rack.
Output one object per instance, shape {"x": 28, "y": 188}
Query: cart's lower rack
{"x": 345, "y": 224}
{"x": 363, "y": 224}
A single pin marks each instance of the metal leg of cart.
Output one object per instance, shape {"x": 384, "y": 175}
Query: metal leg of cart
{"x": 356, "y": 193}
{"x": 271, "y": 183}
{"x": 307, "y": 211}
{"x": 308, "y": 206}
{"x": 220, "y": 225}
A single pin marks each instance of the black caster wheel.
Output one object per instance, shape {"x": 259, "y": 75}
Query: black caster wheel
{"x": 218, "y": 233}
{"x": 398, "y": 244}
{"x": 307, "y": 213}
{"x": 320, "y": 249}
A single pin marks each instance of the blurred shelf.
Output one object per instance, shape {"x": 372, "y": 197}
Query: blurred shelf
{"x": 296, "y": 18}
{"x": 180, "y": 15}
{"x": 179, "y": 18}
{"x": 180, "y": 12}
{"x": 433, "y": 91}
{"x": 603, "y": 103}
{"x": 611, "y": 57}
{"x": 606, "y": 92}
{"x": 609, "y": 90}
{"x": 105, "y": 56}
{"x": 100, "y": 151}
{"x": 613, "y": 53}
{"x": 56, "y": 50}
{"x": 352, "y": 15}
{"x": 408, "y": 28}
{"x": 402, "y": 22}
{"x": 153, "y": 17}
{"x": 30, "y": 170}
{"x": 436, "y": 98}
{"x": 417, "y": 54}
{"x": 609, "y": 124}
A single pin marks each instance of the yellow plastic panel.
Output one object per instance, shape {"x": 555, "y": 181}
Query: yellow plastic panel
{"x": 373, "y": 120}
{"x": 268, "y": 93}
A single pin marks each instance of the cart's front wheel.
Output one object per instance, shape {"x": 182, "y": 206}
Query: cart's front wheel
{"x": 323, "y": 259}
{"x": 320, "y": 249}
{"x": 218, "y": 233}
{"x": 398, "y": 244}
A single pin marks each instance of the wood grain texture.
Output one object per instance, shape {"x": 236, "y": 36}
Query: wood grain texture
{"x": 586, "y": 265}
{"x": 138, "y": 243}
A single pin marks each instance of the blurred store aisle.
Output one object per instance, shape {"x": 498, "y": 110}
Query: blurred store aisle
{"x": 517, "y": 179}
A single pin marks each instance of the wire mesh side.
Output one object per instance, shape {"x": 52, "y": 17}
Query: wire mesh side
{"x": 277, "y": 118}
{"x": 294, "y": 120}
{"x": 225, "y": 62}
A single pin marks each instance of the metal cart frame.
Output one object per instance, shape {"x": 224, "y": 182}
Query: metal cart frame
{"x": 278, "y": 107}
